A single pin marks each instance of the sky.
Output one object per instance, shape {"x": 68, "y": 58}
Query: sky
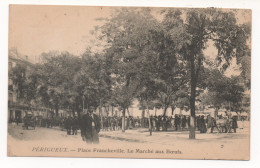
{"x": 37, "y": 29}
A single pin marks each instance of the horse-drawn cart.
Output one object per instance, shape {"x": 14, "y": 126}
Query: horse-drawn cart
{"x": 29, "y": 121}
{"x": 224, "y": 125}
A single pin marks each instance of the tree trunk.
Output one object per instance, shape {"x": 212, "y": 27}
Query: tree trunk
{"x": 172, "y": 109}
{"x": 107, "y": 110}
{"x": 83, "y": 104}
{"x": 165, "y": 110}
{"x": 142, "y": 120}
{"x": 123, "y": 121}
{"x": 216, "y": 113}
{"x": 181, "y": 116}
{"x": 128, "y": 112}
{"x": 192, "y": 101}
{"x": 100, "y": 114}
{"x": 149, "y": 122}
{"x": 57, "y": 112}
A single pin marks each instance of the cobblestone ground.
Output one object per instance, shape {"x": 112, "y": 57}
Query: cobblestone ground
{"x": 214, "y": 145}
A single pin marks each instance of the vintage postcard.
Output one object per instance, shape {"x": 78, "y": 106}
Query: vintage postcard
{"x": 129, "y": 82}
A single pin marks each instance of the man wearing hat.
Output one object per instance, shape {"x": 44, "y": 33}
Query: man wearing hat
{"x": 90, "y": 127}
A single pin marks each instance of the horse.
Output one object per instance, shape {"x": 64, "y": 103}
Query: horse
{"x": 224, "y": 123}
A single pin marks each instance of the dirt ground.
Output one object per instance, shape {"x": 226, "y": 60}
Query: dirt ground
{"x": 135, "y": 143}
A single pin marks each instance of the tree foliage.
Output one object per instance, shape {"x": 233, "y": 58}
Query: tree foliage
{"x": 157, "y": 59}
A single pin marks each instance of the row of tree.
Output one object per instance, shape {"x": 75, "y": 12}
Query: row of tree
{"x": 158, "y": 60}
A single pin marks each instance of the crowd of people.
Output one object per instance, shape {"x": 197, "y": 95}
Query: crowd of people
{"x": 90, "y": 124}
{"x": 158, "y": 123}
{"x": 71, "y": 124}
{"x": 113, "y": 123}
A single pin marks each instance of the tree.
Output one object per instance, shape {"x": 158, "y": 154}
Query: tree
{"x": 223, "y": 92}
{"x": 246, "y": 70}
{"x": 142, "y": 54}
{"x": 127, "y": 34}
{"x": 55, "y": 82}
{"x": 198, "y": 27}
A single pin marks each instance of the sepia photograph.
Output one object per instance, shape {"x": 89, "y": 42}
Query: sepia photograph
{"x": 129, "y": 82}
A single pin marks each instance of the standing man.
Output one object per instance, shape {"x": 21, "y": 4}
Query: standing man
{"x": 164, "y": 123}
{"x": 183, "y": 124}
{"x": 68, "y": 123}
{"x": 74, "y": 127}
{"x": 210, "y": 124}
{"x": 157, "y": 125}
{"x": 176, "y": 122}
{"x": 90, "y": 127}
{"x": 234, "y": 123}
{"x": 203, "y": 128}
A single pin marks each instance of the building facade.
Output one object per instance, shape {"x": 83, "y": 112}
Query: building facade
{"x": 17, "y": 108}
